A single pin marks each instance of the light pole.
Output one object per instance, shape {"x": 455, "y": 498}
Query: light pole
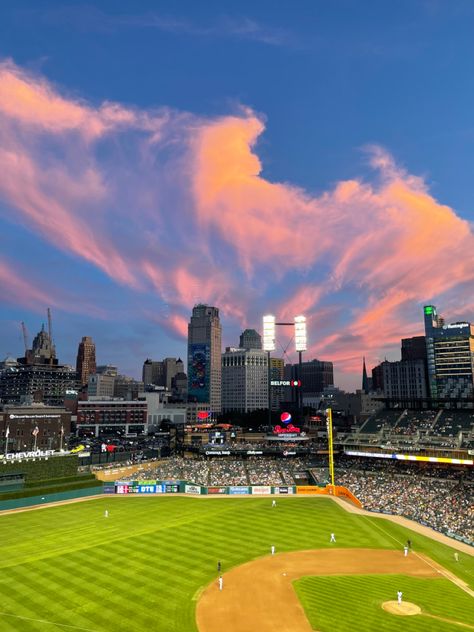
{"x": 300, "y": 346}
{"x": 269, "y": 346}
{"x": 269, "y": 325}
{"x": 7, "y": 434}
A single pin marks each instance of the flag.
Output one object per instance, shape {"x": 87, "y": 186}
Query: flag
{"x": 7, "y": 432}
{"x": 35, "y": 431}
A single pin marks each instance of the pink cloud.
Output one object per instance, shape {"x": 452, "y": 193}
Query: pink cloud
{"x": 175, "y": 208}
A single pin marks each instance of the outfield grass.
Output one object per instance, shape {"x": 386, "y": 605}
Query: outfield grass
{"x": 344, "y": 602}
{"x": 139, "y": 569}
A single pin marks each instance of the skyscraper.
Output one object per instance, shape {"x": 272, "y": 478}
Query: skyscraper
{"x": 250, "y": 339}
{"x": 450, "y": 356}
{"x": 85, "y": 363}
{"x": 244, "y": 380}
{"x": 204, "y": 357}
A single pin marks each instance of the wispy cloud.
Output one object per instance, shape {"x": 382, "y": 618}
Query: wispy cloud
{"x": 172, "y": 205}
{"x": 91, "y": 18}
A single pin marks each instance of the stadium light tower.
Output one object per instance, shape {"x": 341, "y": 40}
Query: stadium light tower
{"x": 300, "y": 346}
{"x": 269, "y": 346}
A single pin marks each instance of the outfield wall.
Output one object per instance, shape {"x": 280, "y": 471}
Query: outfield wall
{"x": 40, "y": 468}
{"x": 154, "y": 487}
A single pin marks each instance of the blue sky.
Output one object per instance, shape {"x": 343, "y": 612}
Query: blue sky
{"x": 299, "y": 99}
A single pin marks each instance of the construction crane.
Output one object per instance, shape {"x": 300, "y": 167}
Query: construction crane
{"x": 25, "y": 336}
{"x": 50, "y": 332}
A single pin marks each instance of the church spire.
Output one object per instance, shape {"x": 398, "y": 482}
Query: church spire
{"x": 365, "y": 379}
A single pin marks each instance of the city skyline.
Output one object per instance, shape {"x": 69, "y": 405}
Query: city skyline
{"x": 223, "y": 175}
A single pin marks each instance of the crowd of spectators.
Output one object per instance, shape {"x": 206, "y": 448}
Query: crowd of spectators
{"x": 445, "y": 504}
{"x": 224, "y": 471}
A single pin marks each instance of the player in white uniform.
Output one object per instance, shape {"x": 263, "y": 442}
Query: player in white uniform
{"x": 273, "y": 550}
{"x": 399, "y": 596}
{"x": 221, "y": 582}
{"x": 332, "y": 538}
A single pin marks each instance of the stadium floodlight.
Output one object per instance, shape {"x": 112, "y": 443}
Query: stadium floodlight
{"x": 269, "y": 333}
{"x": 300, "y": 333}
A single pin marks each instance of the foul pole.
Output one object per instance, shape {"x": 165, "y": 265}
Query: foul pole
{"x": 330, "y": 444}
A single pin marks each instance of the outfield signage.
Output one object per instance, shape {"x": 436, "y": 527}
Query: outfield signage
{"x": 290, "y": 429}
{"x": 217, "y": 490}
{"x": 283, "y": 490}
{"x": 217, "y": 452}
{"x": 34, "y": 454}
{"x": 308, "y": 489}
{"x": 261, "y": 489}
{"x": 34, "y": 416}
{"x": 411, "y": 457}
{"x": 192, "y": 489}
{"x": 238, "y": 489}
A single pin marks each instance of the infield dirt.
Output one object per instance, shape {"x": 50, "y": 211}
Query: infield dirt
{"x": 258, "y": 596}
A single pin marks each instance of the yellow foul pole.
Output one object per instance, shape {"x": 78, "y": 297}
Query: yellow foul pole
{"x": 331, "y": 452}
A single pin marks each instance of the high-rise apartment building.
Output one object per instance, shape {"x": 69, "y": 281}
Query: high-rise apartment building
{"x": 315, "y": 376}
{"x": 85, "y": 362}
{"x": 204, "y": 357}
{"x": 250, "y": 339}
{"x": 450, "y": 356}
{"x": 162, "y": 372}
{"x": 100, "y": 385}
{"x": 38, "y": 377}
{"x": 405, "y": 379}
{"x": 244, "y": 380}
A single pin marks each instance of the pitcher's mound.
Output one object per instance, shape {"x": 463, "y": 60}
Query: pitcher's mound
{"x": 404, "y": 609}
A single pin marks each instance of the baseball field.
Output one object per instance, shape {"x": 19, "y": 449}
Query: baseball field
{"x": 151, "y": 565}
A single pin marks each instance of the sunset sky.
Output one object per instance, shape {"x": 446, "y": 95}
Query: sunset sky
{"x": 279, "y": 157}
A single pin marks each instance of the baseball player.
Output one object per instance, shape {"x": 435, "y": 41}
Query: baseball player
{"x": 273, "y": 550}
{"x": 399, "y": 597}
{"x": 106, "y": 513}
{"x": 456, "y": 556}
{"x": 274, "y": 503}
{"x": 332, "y": 538}
{"x": 405, "y": 550}
{"x": 221, "y": 582}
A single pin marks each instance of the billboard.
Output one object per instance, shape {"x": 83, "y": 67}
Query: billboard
{"x": 198, "y": 372}
{"x": 261, "y": 489}
{"x": 216, "y": 490}
{"x": 192, "y": 489}
{"x": 283, "y": 490}
{"x": 238, "y": 489}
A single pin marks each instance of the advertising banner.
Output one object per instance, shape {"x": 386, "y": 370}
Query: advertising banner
{"x": 309, "y": 489}
{"x": 171, "y": 488}
{"x": 108, "y": 488}
{"x": 121, "y": 489}
{"x": 198, "y": 372}
{"x": 239, "y": 489}
{"x": 192, "y": 489}
{"x": 261, "y": 489}
{"x": 283, "y": 490}
{"x": 216, "y": 490}
{"x": 146, "y": 489}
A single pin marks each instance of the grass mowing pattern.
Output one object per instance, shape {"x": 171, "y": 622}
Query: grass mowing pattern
{"x": 343, "y": 602}
{"x": 138, "y": 569}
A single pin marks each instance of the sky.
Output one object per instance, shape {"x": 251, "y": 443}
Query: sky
{"x": 304, "y": 157}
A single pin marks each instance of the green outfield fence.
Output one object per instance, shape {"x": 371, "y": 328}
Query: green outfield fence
{"x": 45, "y": 498}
